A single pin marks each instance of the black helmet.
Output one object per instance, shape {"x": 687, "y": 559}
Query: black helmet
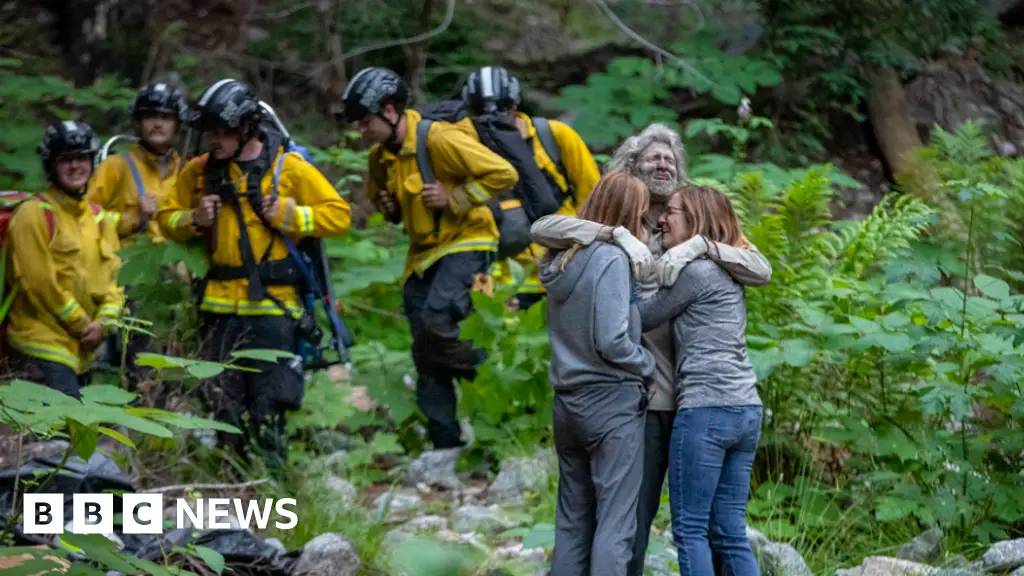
{"x": 67, "y": 137}
{"x": 490, "y": 89}
{"x": 162, "y": 98}
{"x": 370, "y": 90}
{"x": 226, "y": 104}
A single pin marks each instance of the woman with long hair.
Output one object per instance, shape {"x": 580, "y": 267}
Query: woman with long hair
{"x": 599, "y": 372}
{"x": 718, "y": 424}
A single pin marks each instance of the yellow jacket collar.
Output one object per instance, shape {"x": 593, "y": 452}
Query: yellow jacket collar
{"x": 67, "y": 202}
{"x": 412, "y": 118}
{"x": 152, "y": 160}
{"x": 531, "y": 130}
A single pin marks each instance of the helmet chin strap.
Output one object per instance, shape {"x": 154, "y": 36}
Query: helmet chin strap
{"x": 392, "y": 142}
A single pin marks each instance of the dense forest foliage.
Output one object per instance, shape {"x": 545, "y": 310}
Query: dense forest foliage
{"x": 880, "y": 172}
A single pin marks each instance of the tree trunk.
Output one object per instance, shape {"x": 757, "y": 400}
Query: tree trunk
{"x": 890, "y": 118}
{"x": 416, "y": 54}
{"x": 334, "y": 77}
{"x": 81, "y": 24}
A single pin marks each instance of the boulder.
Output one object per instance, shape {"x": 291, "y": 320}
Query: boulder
{"x": 481, "y": 519}
{"x": 1004, "y": 556}
{"x": 925, "y": 548}
{"x": 328, "y": 555}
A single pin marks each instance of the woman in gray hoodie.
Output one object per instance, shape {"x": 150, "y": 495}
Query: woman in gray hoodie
{"x": 599, "y": 372}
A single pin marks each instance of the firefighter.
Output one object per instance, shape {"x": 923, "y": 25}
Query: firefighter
{"x": 63, "y": 266}
{"x": 451, "y": 246}
{"x": 248, "y": 298}
{"x": 492, "y": 90}
{"x": 131, "y": 186}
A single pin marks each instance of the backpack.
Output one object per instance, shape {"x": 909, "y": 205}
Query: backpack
{"x": 537, "y": 194}
{"x": 9, "y": 202}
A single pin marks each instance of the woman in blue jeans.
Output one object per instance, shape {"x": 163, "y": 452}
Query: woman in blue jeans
{"x": 718, "y": 424}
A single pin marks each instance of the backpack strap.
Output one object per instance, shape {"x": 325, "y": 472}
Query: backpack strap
{"x": 424, "y": 165}
{"x": 547, "y": 141}
{"x": 423, "y": 153}
{"x": 138, "y": 184}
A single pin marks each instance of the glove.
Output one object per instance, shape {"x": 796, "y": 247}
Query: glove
{"x": 459, "y": 200}
{"x": 671, "y": 264}
{"x": 640, "y": 258}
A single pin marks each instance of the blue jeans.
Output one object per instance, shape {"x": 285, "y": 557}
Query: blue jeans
{"x": 711, "y": 455}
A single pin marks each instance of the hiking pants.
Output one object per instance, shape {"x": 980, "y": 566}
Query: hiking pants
{"x": 435, "y": 304}
{"x": 54, "y": 375}
{"x": 263, "y": 396}
{"x": 599, "y": 435}
{"x": 657, "y": 440}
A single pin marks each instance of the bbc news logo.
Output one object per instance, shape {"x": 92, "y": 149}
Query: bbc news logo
{"x": 144, "y": 513}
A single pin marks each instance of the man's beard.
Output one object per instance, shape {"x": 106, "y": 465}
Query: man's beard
{"x": 660, "y": 189}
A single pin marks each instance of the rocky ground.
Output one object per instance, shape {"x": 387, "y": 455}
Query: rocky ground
{"x": 430, "y": 505}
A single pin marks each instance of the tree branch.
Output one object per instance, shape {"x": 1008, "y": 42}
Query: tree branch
{"x": 449, "y": 15}
{"x": 603, "y": 8}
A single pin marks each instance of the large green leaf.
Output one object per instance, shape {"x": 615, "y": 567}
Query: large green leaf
{"x": 83, "y": 439}
{"x": 107, "y": 394}
{"x": 994, "y": 288}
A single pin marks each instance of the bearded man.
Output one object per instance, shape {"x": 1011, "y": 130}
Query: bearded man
{"x": 656, "y": 155}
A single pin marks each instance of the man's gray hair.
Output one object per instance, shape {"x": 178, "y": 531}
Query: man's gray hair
{"x": 627, "y": 156}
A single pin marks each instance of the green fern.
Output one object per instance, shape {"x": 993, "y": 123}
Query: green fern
{"x": 895, "y": 223}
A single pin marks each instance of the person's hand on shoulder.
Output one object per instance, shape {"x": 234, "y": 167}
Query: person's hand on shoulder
{"x": 640, "y": 258}
{"x": 672, "y": 262}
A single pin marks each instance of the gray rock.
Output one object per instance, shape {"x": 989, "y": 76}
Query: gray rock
{"x": 413, "y": 527}
{"x": 757, "y": 540}
{"x": 337, "y": 461}
{"x": 925, "y": 548}
{"x": 435, "y": 468}
{"x": 397, "y": 502}
{"x": 277, "y": 545}
{"x": 1018, "y": 572}
{"x": 661, "y": 563}
{"x": 781, "y": 559}
{"x": 520, "y": 475}
{"x": 328, "y": 555}
{"x": 884, "y": 566}
{"x": 956, "y": 572}
{"x": 1004, "y": 556}
{"x": 481, "y": 519}
{"x": 330, "y": 441}
{"x": 45, "y": 449}
{"x": 957, "y": 561}
{"x": 515, "y": 551}
{"x": 858, "y": 571}
{"x": 346, "y": 492}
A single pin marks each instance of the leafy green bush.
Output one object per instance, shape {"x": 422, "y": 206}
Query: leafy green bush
{"x": 26, "y": 96}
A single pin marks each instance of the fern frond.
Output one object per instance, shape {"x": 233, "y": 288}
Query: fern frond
{"x": 894, "y": 223}
{"x": 967, "y": 145}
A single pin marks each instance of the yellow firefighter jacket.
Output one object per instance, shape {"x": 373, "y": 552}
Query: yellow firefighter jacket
{"x": 462, "y": 165}
{"x": 113, "y": 187}
{"x": 63, "y": 283}
{"x": 581, "y": 169}
{"x": 309, "y": 206}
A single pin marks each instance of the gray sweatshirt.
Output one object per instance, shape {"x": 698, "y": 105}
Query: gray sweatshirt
{"x": 593, "y": 320}
{"x": 710, "y": 313}
{"x": 749, "y": 267}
